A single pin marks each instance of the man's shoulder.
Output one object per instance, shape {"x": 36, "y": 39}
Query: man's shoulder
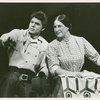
{"x": 18, "y": 30}
{"x": 44, "y": 43}
{"x": 15, "y": 30}
{"x": 42, "y": 40}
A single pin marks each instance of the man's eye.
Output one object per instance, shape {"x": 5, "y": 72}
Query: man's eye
{"x": 31, "y": 21}
{"x": 59, "y": 25}
{"x": 37, "y": 23}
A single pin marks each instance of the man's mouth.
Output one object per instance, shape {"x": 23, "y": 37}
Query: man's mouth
{"x": 32, "y": 29}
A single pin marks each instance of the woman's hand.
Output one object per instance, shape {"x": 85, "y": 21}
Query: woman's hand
{"x": 78, "y": 74}
{"x": 75, "y": 74}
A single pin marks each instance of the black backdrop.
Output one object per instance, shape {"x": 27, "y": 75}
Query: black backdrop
{"x": 85, "y": 18}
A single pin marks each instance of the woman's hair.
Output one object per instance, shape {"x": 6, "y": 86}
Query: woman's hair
{"x": 41, "y": 16}
{"x": 65, "y": 20}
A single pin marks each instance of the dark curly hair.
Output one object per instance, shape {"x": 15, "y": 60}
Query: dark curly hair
{"x": 41, "y": 16}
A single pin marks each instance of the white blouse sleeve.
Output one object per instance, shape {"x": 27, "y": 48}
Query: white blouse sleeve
{"x": 52, "y": 58}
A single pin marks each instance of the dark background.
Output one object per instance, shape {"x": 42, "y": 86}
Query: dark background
{"x": 85, "y": 18}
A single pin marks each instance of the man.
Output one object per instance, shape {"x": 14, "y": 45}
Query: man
{"x": 26, "y": 50}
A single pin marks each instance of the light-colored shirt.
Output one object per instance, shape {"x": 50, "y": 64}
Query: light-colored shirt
{"x": 28, "y": 53}
{"x": 69, "y": 54}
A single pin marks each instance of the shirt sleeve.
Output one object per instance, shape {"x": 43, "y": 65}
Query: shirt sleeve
{"x": 52, "y": 59}
{"x": 12, "y": 35}
{"x": 90, "y": 51}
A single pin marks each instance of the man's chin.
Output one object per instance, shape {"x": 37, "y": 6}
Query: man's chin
{"x": 31, "y": 32}
{"x": 35, "y": 34}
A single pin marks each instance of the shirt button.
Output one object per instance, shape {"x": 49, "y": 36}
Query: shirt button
{"x": 26, "y": 61}
{"x": 35, "y": 55}
{"x": 74, "y": 61}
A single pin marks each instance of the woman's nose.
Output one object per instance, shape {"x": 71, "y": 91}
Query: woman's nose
{"x": 57, "y": 29}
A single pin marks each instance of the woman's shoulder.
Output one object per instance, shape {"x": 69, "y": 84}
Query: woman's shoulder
{"x": 53, "y": 43}
{"x": 78, "y": 37}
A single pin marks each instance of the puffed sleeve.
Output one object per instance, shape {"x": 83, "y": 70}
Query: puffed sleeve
{"x": 52, "y": 59}
{"x": 90, "y": 51}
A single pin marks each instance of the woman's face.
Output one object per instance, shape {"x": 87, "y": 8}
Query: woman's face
{"x": 60, "y": 29}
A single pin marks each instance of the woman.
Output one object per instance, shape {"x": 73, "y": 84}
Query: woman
{"x": 67, "y": 52}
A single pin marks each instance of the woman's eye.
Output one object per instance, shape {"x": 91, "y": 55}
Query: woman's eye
{"x": 54, "y": 26}
{"x": 59, "y": 25}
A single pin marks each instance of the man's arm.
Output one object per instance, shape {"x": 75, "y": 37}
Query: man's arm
{"x": 9, "y": 39}
{"x": 43, "y": 67}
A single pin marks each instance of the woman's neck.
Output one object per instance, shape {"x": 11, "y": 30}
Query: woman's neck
{"x": 67, "y": 36}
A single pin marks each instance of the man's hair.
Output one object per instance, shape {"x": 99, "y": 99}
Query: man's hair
{"x": 65, "y": 20}
{"x": 41, "y": 16}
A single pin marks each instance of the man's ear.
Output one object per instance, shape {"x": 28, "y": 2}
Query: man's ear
{"x": 67, "y": 28}
{"x": 43, "y": 29}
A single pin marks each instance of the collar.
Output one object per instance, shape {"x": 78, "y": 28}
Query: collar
{"x": 66, "y": 39}
{"x": 38, "y": 39}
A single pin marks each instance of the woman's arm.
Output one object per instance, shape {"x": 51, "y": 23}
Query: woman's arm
{"x": 52, "y": 59}
{"x": 60, "y": 71}
{"x": 91, "y": 53}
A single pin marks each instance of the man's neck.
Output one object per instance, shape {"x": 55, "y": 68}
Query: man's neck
{"x": 34, "y": 36}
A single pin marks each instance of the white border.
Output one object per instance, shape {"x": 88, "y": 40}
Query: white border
{"x": 48, "y": 1}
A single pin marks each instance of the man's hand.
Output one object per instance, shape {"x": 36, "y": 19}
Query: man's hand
{"x": 41, "y": 74}
{"x": 10, "y": 43}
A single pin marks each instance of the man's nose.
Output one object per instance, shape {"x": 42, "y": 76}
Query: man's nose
{"x": 33, "y": 24}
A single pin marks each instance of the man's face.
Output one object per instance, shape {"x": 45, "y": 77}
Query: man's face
{"x": 35, "y": 26}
